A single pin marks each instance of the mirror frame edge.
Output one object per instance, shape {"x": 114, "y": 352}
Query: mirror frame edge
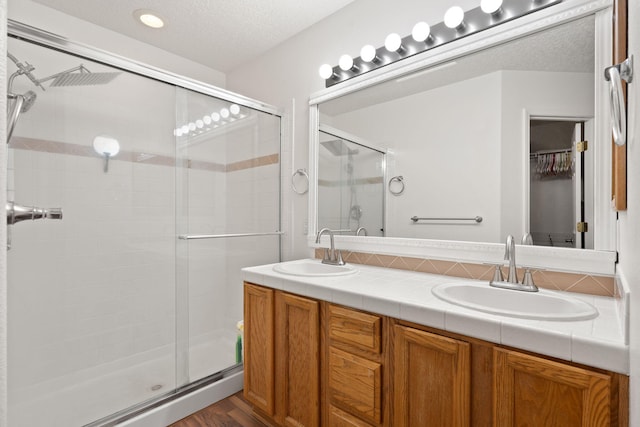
{"x": 598, "y": 261}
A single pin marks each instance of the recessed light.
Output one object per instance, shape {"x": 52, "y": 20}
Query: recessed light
{"x": 149, "y": 18}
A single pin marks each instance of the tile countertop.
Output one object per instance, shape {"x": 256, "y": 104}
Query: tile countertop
{"x": 406, "y": 295}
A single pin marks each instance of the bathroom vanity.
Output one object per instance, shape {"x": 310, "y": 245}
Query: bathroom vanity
{"x": 375, "y": 347}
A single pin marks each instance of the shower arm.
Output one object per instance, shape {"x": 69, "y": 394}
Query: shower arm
{"x": 23, "y": 69}
{"x": 80, "y": 68}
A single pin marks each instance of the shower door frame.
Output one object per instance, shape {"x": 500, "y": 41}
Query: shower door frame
{"x": 49, "y": 40}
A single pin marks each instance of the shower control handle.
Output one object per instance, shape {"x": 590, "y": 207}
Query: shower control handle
{"x": 17, "y": 213}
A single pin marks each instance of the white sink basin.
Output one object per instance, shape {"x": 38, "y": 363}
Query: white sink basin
{"x": 542, "y": 305}
{"x": 312, "y": 267}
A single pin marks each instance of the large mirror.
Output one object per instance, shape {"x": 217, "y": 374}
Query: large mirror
{"x": 490, "y": 143}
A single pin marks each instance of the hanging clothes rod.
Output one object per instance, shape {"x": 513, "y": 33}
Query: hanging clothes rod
{"x": 477, "y": 219}
{"x": 221, "y": 236}
{"x": 544, "y": 152}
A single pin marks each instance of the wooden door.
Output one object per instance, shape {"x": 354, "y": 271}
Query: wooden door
{"x": 259, "y": 368}
{"x": 431, "y": 380}
{"x": 297, "y": 361}
{"x": 531, "y": 391}
{"x": 619, "y": 155}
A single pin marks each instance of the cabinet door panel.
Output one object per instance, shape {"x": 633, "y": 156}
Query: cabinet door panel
{"x": 259, "y": 347}
{"x": 529, "y": 390}
{"x": 431, "y": 379}
{"x": 297, "y": 369}
{"x": 356, "y": 384}
{"x": 354, "y": 328}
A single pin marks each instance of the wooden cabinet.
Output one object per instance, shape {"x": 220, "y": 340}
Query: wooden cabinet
{"x": 259, "y": 344}
{"x": 355, "y": 358}
{"x": 431, "y": 379}
{"x": 297, "y": 360}
{"x": 311, "y": 363}
{"x": 282, "y": 348}
{"x": 529, "y": 390}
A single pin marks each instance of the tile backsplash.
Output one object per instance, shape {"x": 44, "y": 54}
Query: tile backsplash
{"x": 554, "y": 280}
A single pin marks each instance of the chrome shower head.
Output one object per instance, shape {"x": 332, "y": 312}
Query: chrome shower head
{"x": 29, "y": 98}
{"x": 83, "y": 79}
{"x": 338, "y": 147}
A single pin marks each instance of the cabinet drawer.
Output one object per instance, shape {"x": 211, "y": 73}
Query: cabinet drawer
{"x": 339, "y": 418}
{"x": 355, "y": 384}
{"x": 354, "y": 328}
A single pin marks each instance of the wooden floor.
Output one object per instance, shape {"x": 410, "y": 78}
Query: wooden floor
{"x": 233, "y": 411}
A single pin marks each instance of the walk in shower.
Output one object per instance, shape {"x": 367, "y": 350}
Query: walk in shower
{"x": 165, "y": 189}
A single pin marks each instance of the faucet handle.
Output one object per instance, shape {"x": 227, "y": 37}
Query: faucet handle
{"x": 497, "y": 274}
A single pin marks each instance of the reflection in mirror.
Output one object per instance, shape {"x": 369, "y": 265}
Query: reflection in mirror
{"x": 350, "y": 184}
{"x": 560, "y": 183}
{"x": 460, "y": 135}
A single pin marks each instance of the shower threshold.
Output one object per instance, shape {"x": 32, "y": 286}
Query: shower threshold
{"x": 128, "y": 414}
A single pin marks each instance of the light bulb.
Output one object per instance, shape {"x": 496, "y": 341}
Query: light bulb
{"x": 177, "y": 132}
{"x": 106, "y": 145}
{"x": 199, "y": 124}
{"x": 192, "y": 126}
{"x": 207, "y": 120}
{"x": 224, "y": 113}
{"x": 215, "y": 117}
{"x": 345, "y": 62}
{"x": 149, "y": 18}
{"x": 368, "y": 53}
{"x": 421, "y": 31}
{"x": 393, "y": 42}
{"x": 325, "y": 71}
{"x": 185, "y": 129}
{"x": 490, "y": 6}
{"x": 454, "y": 17}
{"x": 235, "y": 109}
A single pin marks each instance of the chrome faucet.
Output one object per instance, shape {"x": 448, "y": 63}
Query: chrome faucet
{"x": 331, "y": 256}
{"x": 510, "y": 255}
{"x": 527, "y": 284}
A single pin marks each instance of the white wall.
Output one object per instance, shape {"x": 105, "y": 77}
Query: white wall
{"x": 629, "y": 231}
{"x": 432, "y": 151}
{"x": 289, "y": 73}
{"x": 3, "y": 226}
{"x": 42, "y": 17}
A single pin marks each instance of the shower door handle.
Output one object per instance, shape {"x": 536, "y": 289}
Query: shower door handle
{"x": 17, "y": 213}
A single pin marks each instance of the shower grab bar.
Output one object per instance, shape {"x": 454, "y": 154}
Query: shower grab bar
{"x": 476, "y": 219}
{"x": 220, "y": 236}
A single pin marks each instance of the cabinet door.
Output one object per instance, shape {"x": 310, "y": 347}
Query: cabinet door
{"x": 355, "y": 384}
{"x": 297, "y": 362}
{"x": 339, "y": 418}
{"x": 532, "y": 391}
{"x": 259, "y": 347}
{"x": 430, "y": 379}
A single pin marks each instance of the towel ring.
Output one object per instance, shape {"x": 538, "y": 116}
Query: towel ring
{"x": 300, "y": 172}
{"x": 399, "y": 179}
{"x": 614, "y": 75}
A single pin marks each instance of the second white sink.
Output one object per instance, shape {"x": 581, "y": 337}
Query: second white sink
{"x": 542, "y": 305}
{"x": 312, "y": 267}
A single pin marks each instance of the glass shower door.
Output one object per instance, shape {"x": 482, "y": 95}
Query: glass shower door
{"x": 91, "y": 297}
{"x": 228, "y": 178}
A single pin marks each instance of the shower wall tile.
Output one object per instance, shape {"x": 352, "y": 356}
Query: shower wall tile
{"x": 555, "y": 280}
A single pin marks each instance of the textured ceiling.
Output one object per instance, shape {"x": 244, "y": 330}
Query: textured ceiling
{"x": 221, "y": 34}
{"x": 565, "y": 48}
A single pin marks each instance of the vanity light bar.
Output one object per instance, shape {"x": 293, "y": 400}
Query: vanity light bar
{"x": 456, "y": 25}
{"x": 211, "y": 121}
